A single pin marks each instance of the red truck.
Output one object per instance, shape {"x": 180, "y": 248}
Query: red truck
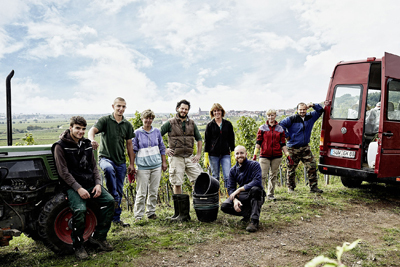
{"x": 360, "y": 136}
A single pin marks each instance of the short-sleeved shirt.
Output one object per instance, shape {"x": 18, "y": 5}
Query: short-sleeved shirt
{"x": 113, "y": 137}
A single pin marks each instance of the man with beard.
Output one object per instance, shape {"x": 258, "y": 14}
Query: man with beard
{"x": 115, "y": 132}
{"x": 81, "y": 180}
{"x": 246, "y": 200}
{"x": 182, "y": 132}
{"x": 298, "y": 130}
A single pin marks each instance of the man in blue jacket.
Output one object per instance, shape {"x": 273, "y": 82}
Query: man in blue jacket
{"x": 298, "y": 129}
{"x": 246, "y": 200}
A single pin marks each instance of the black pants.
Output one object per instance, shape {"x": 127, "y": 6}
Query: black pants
{"x": 252, "y": 201}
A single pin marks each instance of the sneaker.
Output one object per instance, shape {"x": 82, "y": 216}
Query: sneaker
{"x": 121, "y": 223}
{"x": 152, "y": 217}
{"x": 80, "y": 253}
{"x": 271, "y": 198}
{"x": 103, "y": 244}
{"x": 315, "y": 189}
{"x": 290, "y": 190}
{"x": 252, "y": 227}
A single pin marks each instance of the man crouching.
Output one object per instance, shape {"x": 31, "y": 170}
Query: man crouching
{"x": 247, "y": 200}
{"x": 81, "y": 180}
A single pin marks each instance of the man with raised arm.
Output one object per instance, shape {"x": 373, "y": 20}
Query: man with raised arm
{"x": 298, "y": 130}
{"x": 115, "y": 132}
{"x": 246, "y": 200}
{"x": 81, "y": 180}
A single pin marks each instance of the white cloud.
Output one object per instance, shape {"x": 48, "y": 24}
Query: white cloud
{"x": 54, "y": 37}
{"x": 180, "y": 27}
{"x": 111, "y": 7}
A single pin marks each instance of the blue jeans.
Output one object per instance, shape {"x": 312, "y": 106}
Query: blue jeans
{"x": 225, "y": 162}
{"x": 115, "y": 177}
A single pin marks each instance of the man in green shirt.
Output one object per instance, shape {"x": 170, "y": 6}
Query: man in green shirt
{"x": 182, "y": 132}
{"x": 115, "y": 131}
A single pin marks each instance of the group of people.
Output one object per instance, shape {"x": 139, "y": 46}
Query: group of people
{"x": 80, "y": 178}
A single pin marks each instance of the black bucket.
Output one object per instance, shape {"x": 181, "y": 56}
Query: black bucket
{"x": 207, "y": 213}
{"x": 206, "y": 206}
{"x": 205, "y": 184}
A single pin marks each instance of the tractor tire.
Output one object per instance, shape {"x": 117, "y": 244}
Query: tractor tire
{"x": 350, "y": 182}
{"x": 54, "y": 224}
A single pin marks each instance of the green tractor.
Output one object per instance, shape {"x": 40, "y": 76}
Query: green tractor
{"x": 31, "y": 199}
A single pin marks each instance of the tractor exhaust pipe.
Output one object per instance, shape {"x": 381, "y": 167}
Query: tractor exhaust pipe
{"x": 9, "y": 115}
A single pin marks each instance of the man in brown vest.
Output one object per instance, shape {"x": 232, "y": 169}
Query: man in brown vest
{"x": 182, "y": 132}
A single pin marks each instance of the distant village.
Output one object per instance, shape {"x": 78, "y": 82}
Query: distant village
{"x": 199, "y": 116}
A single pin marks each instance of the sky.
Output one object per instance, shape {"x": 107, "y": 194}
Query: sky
{"x": 77, "y": 56}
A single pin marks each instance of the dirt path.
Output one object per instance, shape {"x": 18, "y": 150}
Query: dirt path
{"x": 293, "y": 245}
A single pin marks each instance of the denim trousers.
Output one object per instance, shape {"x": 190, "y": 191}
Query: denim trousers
{"x": 115, "y": 177}
{"x": 147, "y": 183}
{"x": 225, "y": 162}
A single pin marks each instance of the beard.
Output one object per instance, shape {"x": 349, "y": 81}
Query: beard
{"x": 182, "y": 117}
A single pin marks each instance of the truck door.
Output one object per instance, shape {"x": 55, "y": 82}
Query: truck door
{"x": 388, "y": 156}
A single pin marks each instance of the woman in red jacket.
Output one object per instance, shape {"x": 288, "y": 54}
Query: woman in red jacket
{"x": 271, "y": 141}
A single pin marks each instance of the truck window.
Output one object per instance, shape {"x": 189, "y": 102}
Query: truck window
{"x": 393, "y": 106}
{"x": 372, "y": 113}
{"x": 346, "y": 102}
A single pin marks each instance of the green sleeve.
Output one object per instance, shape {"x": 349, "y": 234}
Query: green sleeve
{"x": 131, "y": 132}
{"x": 197, "y": 135}
{"x": 165, "y": 128}
{"x": 101, "y": 124}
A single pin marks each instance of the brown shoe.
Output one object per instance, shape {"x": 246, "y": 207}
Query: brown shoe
{"x": 315, "y": 189}
{"x": 80, "y": 253}
{"x": 252, "y": 227}
{"x": 103, "y": 244}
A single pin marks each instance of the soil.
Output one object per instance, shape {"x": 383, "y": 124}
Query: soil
{"x": 296, "y": 243}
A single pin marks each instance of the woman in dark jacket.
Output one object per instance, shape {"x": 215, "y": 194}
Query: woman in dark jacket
{"x": 219, "y": 143}
{"x": 271, "y": 140}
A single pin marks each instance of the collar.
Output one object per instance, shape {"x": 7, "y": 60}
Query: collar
{"x": 243, "y": 165}
{"x": 179, "y": 118}
{"x": 113, "y": 118}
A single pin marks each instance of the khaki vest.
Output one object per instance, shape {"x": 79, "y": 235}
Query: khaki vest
{"x": 181, "y": 142}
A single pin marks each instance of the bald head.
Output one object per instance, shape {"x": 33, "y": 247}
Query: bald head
{"x": 240, "y": 154}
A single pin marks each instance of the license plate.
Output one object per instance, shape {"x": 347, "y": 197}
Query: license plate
{"x": 343, "y": 153}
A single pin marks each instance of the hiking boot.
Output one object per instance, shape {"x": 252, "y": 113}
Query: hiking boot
{"x": 315, "y": 189}
{"x": 103, "y": 244}
{"x": 80, "y": 253}
{"x": 252, "y": 227}
{"x": 152, "y": 217}
{"x": 121, "y": 223}
{"x": 290, "y": 190}
{"x": 271, "y": 197}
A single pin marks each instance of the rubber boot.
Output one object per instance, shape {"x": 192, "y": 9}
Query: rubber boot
{"x": 184, "y": 208}
{"x": 176, "y": 207}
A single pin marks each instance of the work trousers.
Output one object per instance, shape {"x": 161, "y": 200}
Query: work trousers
{"x": 251, "y": 200}
{"x": 79, "y": 208}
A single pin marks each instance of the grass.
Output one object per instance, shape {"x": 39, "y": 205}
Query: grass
{"x": 149, "y": 237}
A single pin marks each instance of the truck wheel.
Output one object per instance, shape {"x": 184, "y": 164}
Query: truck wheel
{"x": 55, "y": 222}
{"x": 350, "y": 182}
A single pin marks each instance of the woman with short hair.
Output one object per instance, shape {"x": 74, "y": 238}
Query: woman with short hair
{"x": 219, "y": 142}
{"x": 271, "y": 140}
{"x": 149, "y": 155}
